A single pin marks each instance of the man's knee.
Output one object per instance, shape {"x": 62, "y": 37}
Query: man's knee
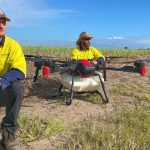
{"x": 14, "y": 92}
{"x": 17, "y": 87}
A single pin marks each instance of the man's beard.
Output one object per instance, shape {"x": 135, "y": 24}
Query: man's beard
{"x": 85, "y": 45}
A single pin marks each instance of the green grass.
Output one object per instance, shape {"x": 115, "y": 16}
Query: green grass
{"x": 148, "y": 73}
{"x": 95, "y": 99}
{"x": 63, "y": 52}
{"x": 127, "y": 53}
{"x": 36, "y": 128}
{"x": 138, "y": 91}
{"x": 127, "y": 129}
{"x": 59, "y": 52}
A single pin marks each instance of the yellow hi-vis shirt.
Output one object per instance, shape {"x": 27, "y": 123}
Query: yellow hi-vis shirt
{"x": 11, "y": 56}
{"x": 90, "y": 54}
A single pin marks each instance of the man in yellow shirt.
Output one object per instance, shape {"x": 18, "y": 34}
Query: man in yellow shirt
{"x": 85, "y": 51}
{"x": 83, "y": 80}
{"x": 12, "y": 72}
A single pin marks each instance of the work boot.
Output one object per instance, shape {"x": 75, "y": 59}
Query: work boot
{"x": 9, "y": 140}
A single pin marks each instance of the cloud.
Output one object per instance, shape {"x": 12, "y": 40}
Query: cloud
{"x": 144, "y": 41}
{"x": 130, "y": 42}
{"x": 30, "y": 12}
{"x": 115, "y": 38}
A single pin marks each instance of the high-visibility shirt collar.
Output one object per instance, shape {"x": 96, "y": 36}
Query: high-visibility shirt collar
{"x": 2, "y": 41}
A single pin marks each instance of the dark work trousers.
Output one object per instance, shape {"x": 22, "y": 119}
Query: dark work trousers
{"x": 11, "y": 98}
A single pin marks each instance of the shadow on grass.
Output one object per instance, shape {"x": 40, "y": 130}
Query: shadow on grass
{"x": 48, "y": 89}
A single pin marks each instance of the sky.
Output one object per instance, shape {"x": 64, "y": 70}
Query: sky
{"x": 113, "y": 23}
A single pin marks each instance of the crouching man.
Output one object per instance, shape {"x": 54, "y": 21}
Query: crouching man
{"x": 12, "y": 72}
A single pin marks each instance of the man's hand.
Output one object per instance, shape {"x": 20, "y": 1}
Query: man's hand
{"x": 4, "y": 83}
{"x": 94, "y": 62}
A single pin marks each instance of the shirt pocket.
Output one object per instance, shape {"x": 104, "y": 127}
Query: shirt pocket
{"x": 3, "y": 60}
{"x": 90, "y": 56}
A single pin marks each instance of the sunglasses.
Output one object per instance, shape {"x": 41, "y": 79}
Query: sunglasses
{"x": 86, "y": 39}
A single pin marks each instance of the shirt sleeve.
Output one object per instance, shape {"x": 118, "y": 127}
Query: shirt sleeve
{"x": 97, "y": 53}
{"x": 17, "y": 58}
{"x": 12, "y": 75}
{"x": 101, "y": 60}
{"x": 73, "y": 54}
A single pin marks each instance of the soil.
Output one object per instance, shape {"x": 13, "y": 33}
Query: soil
{"x": 41, "y": 99}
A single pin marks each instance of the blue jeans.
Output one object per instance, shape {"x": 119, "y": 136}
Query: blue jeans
{"x": 11, "y": 98}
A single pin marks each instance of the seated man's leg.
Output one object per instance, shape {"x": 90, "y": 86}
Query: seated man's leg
{"x": 12, "y": 98}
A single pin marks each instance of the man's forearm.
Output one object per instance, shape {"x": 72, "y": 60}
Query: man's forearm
{"x": 10, "y": 76}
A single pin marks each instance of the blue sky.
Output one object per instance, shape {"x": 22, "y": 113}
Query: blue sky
{"x": 113, "y": 23}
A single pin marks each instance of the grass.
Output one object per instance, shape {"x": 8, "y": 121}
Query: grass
{"x": 127, "y": 53}
{"x": 60, "y": 52}
{"x": 36, "y": 128}
{"x": 63, "y": 52}
{"x": 138, "y": 91}
{"x": 127, "y": 129}
{"x": 148, "y": 73}
{"x": 95, "y": 99}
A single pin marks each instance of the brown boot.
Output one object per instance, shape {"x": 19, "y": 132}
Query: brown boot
{"x": 9, "y": 140}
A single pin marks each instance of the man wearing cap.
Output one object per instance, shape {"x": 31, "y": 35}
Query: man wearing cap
{"x": 12, "y": 72}
{"x": 85, "y": 51}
